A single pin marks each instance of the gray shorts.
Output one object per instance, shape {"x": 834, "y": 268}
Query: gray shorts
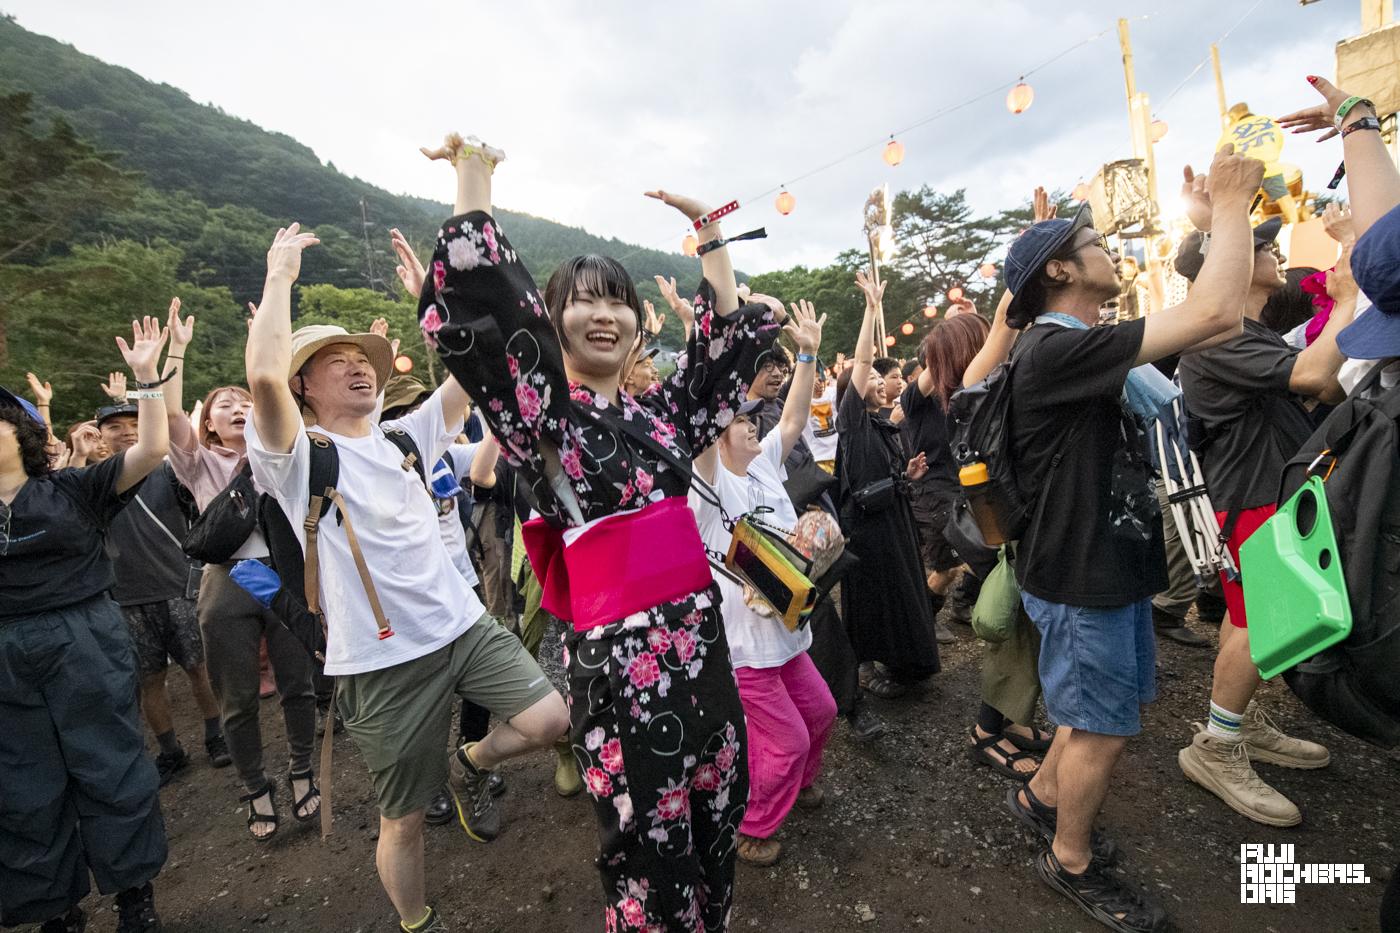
{"x": 163, "y": 631}
{"x": 399, "y": 716}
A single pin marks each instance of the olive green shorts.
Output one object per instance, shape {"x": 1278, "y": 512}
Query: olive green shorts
{"x": 398, "y": 717}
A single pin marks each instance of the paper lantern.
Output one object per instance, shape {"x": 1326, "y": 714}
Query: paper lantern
{"x": 690, "y": 245}
{"x": 403, "y": 363}
{"x": 987, "y": 270}
{"x": 906, "y": 328}
{"x": 1159, "y": 129}
{"x": 889, "y": 341}
{"x": 894, "y": 152}
{"x": 1080, "y": 192}
{"x": 785, "y": 202}
{"x": 1019, "y": 98}
{"x": 930, "y": 311}
{"x": 954, "y": 293}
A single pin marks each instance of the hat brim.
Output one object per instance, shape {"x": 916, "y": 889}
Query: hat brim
{"x": 1374, "y": 335}
{"x": 377, "y": 348}
{"x": 10, "y": 400}
{"x": 1268, "y": 231}
{"x": 1032, "y": 292}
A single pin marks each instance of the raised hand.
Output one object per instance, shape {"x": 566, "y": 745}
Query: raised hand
{"x": 43, "y": 392}
{"x": 961, "y": 305}
{"x": 458, "y": 150}
{"x": 1319, "y": 116}
{"x": 1196, "y": 198}
{"x": 86, "y": 441}
{"x": 873, "y": 292}
{"x": 115, "y": 389}
{"x": 1041, "y": 205}
{"x": 1340, "y": 285}
{"x": 147, "y": 338}
{"x": 917, "y": 469}
{"x": 651, "y": 321}
{"x": 410, "y": 271}
{"x": 1233, "y": 176}
{"x": 688, "y": 206}
{"x": 181, "y": 332}
{"x": 776, "y": 306}
{"x": 380, "y": 328}
{"x": 284, "y": 256}
{"x": 804, "y": 327}
{"x": 1336, "y": 220}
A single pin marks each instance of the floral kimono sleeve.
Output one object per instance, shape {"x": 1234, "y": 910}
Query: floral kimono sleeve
{"x": 481, "y": 311}
{"x": 715, "y": 370}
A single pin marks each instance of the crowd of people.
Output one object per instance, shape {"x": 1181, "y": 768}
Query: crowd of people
{"x": 382, "y": 549}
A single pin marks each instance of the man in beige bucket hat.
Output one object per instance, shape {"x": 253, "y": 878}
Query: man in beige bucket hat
{"x": 397, "y": 662}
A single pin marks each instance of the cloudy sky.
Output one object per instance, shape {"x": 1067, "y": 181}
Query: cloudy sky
{"x": 722, "y": 99}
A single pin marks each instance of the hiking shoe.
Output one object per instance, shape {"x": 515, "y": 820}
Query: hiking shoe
{"x": 1269, "y": 745}
{"x": 943, "y": 634}
{"x": 865, "y": 725}
{"x": 477, "y": 808}
{"x": 1042, "y": 819}
{"x": 1102, "y": 895}
{"x": 440, "y": 809}
{"x": 1223, "y": 768}
{"x": 567, "y": 782}
{"x": 136, "y": 911}
{"x": 1174, "y": 629}
{"x": 429, "y": 924}
{"x": 760, "y": 852}
{"x": 168, "y": 763}
{"x": 957, "y": 609}
{"x": 811, "y": 797}
{"x": 75, "y": 921}
{"x": 217, "y": 748}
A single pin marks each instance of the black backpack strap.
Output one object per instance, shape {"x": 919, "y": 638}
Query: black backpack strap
{"x": 412, "y": 457}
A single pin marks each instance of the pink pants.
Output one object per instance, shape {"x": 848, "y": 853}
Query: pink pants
{"x": 790, "y": 712}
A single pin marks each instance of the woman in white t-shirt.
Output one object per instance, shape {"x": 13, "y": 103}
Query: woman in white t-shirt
{"x": 787, "y": 705}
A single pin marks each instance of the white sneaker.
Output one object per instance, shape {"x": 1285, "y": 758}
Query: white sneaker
{"x": 1223, "y": 768}
{"x": 1269, "y": 745}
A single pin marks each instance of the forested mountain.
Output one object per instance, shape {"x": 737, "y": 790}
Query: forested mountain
{"x": 113, "y": 187}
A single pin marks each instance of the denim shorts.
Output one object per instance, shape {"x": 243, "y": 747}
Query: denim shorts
{"x": 1097, "y": 666}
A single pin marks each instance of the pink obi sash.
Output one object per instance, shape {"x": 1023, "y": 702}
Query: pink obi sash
{"x": 621, "y": 565}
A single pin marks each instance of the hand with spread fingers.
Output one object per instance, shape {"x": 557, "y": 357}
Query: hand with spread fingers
{"x": 147, "y": 339}
{"x": 42, "y": 391}
{"x": 1321, "y": 116}
{"x": 1336, "y": 220}
{"x": 804, "y": 327}
{"x": 115, "y": 387}
{"x": 409, "y": 270}
{"x": 284, "y": 255}
{"x": 873, "y": 292}
{"x": 651, "y": 321}
{"x": 1041, "y": 205}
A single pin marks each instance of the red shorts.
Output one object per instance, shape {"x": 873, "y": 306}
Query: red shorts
{"x": 1247, "y": 524}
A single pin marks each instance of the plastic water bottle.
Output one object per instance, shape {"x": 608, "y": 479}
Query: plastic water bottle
{"x": 982, "y": 500}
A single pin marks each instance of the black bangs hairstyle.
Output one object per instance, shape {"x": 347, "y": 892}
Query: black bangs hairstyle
{"x": 33, "y": 440}
{"x": 597, "y": 275}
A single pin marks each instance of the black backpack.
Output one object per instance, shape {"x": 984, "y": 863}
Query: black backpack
{"x": 1355, "y": 685}
{"x": 982, "y": 432}
{"x": 293, "y": 604}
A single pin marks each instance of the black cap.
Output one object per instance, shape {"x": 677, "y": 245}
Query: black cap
{"x": 112, "y": 411}
{"x": 1189, "y": 260}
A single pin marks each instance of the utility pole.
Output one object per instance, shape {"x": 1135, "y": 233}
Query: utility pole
{"x": 371, "y": 273}
{"x": 1219, "y": 85}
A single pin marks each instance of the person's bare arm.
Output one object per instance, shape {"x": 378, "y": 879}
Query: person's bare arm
{"x": 1372, "y": 179}
{"x": 1214, "y": 307}
{"x": 152, "y": 435}
{"x": 1315, "y": 370}
{"x": 269, "y": 352}
{"x": 43, "y": 400}
{"x": 715, "y": 265}
{"x": 805, "y": 329}
{"x": 454, "y": 401}
{"x": 995, "y": 350}
{"x": 483, "y": 470}
{"x": 182, "y": 434}
{"x": 865, "y": 342}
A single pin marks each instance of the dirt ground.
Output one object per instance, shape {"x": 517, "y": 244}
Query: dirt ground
{"x": 913, "y": 836}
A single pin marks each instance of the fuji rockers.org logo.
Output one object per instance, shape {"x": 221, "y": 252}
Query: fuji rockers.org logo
{"x": 1269, "y": 874}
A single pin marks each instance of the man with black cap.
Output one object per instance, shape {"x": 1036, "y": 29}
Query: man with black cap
{"x": 1248, "y": 394}
{"x": 156, "y": 587}
{"x": 1091, "y": 557}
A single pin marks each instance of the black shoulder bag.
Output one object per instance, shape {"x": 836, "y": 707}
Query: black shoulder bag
{"x": 226, "y": 522}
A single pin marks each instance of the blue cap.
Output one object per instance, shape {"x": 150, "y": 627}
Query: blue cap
{"x": 8, "y": 398}
{"x": 1031, "y": 251}
{"x": 1375, "y": 264}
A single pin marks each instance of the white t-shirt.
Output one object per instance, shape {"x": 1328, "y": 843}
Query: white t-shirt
{"x": 820, "y": 431}
{"x": 454, "y": 536}
{"x": 754, "y": 640}
{"x": 427, "y": 601}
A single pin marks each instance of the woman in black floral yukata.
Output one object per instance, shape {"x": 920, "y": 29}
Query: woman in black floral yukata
{"x": 657, "y": 726}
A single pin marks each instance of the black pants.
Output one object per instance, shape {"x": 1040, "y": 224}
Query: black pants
{"x": 78, "y": 793}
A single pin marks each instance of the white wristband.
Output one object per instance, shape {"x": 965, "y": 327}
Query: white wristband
{"x": 145, "y": 394}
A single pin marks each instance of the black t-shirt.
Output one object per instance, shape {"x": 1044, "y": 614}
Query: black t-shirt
{"x": 1067, "y": 385}
{"x": 151, "y": 566}
{"x": 1255, "y": 424}
{"x": 52, "y": 553}
{"x": 925, "y": 428}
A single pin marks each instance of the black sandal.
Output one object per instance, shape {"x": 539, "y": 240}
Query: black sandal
{"x": 880, "y": 685}
{"x": 254, "y": 817}
{"x": 310, "y": 777}
{"x": 1103, "y": 896}
{"x": 985, "y": 752}
{"x": 1037, "y": 741}
{"x": 1041, "y": 818}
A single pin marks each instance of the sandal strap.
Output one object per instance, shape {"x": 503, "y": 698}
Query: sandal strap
{"x": 314, "y": 791}
{"x": 983, "y": 744}
{"x": 266, "y": 789}
{"x": 1036, "y": 803}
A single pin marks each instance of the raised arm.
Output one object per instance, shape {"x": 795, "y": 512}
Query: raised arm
{"x": 152, "y": 436}
{"x": 43, "y": 400}
{"x": 995, "y": 350}
{"x": 865, "y": 343}
{"x": 1315, "y": 370}
{"x": 182, "y": 434}
{"x": 276, "y": 415}
{"x": 805, "y": 329}
{"x": 1372, "y": 179}
{"x": 683, "y": 309}
{"x": 483, "y": 469}
{"x": 1214, "y": 307}
{"x": 715, "y": 264}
